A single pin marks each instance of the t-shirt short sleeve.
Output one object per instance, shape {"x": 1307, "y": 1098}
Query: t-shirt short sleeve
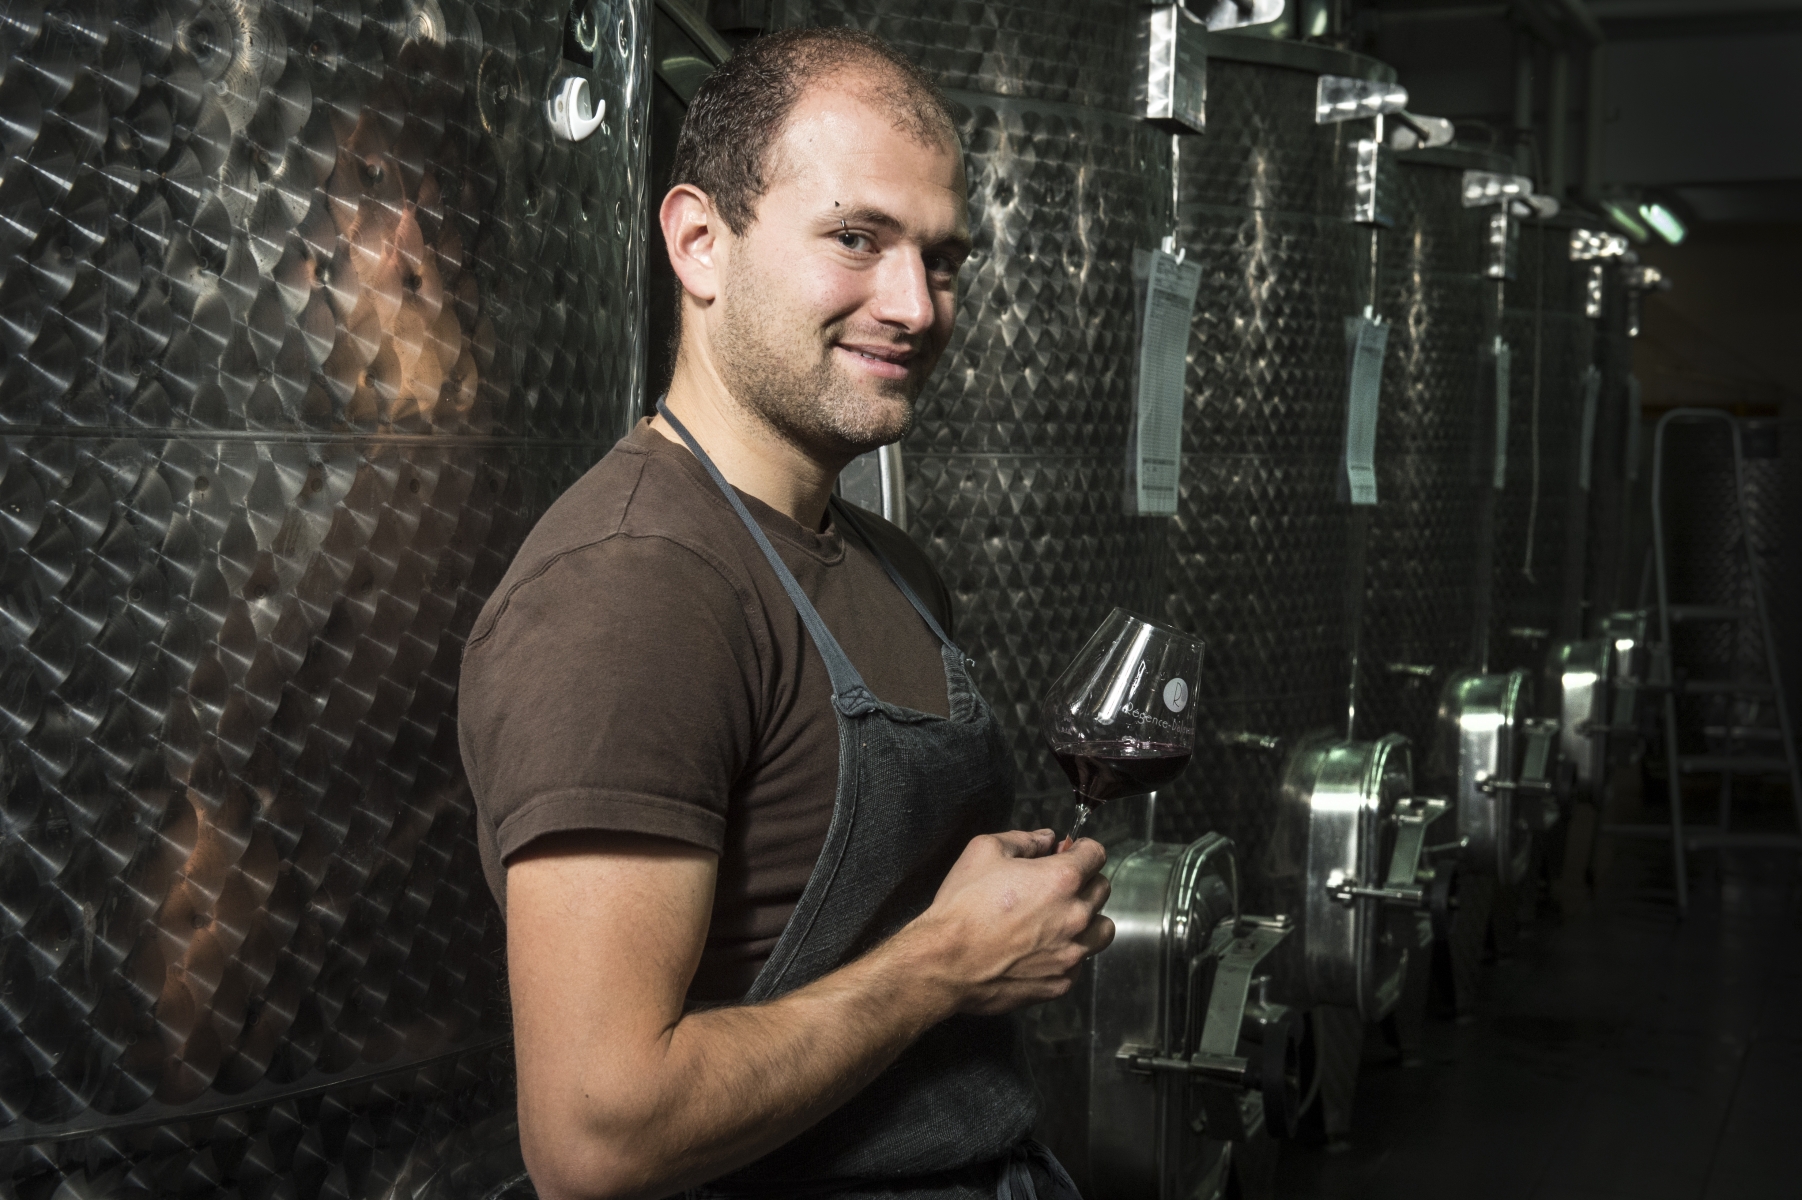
{"x": 613, "y": 690}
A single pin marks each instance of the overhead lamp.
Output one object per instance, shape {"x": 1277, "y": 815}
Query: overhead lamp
{"x": 1626, "y": 221}
{"x": 1664, "y": 221}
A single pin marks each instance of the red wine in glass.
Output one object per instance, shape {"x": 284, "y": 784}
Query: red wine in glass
{"x": 1119, "y": 719}
{"x": 1103, "y": 771}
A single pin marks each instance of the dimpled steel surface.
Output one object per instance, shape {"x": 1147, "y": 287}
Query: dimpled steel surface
{"x": 1263, "y": 150}
{"x": 307, "y": 319}
{"x": 1071, "y": 51}
{"x": 1016, "y": 466}
{"x": 1612, "y": 570}
{"x": 1552, "y": 343}
{"x": 1705, "y": 559}
{"x": 1258, "y": 549}
{"x": 1420, "y": 588}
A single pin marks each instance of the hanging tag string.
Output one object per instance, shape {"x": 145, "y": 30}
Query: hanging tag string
{"x": 1526, "y": 566}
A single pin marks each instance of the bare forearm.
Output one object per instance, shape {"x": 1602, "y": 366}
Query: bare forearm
{"x": 624, "y": 1095}
{"x": 725, "y": 1086}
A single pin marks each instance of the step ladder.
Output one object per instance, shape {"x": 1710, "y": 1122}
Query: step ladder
{"x": 1749, "y": 730}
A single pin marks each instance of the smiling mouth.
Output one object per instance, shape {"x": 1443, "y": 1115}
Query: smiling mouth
{"x": 899, "y": 356}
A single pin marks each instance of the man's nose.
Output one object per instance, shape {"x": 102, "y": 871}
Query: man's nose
{"x": 903, "y": 297}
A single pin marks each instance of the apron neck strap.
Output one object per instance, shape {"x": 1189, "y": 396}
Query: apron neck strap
{"x": 849, "y": 519}
{"x": 849, "y": 695}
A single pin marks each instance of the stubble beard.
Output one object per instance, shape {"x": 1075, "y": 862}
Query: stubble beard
{"x": 786, "y": 373}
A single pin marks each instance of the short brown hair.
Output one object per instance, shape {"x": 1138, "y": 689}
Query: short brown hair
{"x": 742, "y": 108}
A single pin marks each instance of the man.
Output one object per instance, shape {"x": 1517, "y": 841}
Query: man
{"x": 736, "y": 793}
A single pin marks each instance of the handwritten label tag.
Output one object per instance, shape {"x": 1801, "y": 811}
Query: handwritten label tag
{"x": 1166, "y": 307}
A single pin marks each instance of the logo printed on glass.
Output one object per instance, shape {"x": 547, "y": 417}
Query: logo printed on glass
{"x": 1176, "y": 695}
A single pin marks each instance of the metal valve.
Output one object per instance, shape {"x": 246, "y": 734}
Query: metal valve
{"x": 572, "y": 112}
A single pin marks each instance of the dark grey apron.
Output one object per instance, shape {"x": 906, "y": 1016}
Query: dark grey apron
{"x": 950, "y": 1117}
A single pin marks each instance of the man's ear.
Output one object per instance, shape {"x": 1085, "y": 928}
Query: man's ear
{"x": 691, "y": 230}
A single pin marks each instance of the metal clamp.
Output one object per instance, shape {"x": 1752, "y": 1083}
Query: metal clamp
{"x": 1402, "y": 888}
{"x": 1345, "y": 889}
{"x": 1594, "y": 729}
{"x": 1228, "y": 1069}
{"x": 1482, "y": 188}
{"x": 1489, "y": 785}
{"x": 1345, "y": 98}
{"x": 1231, "y": 1112}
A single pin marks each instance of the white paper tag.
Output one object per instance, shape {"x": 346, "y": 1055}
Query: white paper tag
{"x": 1503, "y": 359}
{"x": 1592, "y": 391}
{"x": 1167, "y": 305}
{"x": 1366, "y": 338}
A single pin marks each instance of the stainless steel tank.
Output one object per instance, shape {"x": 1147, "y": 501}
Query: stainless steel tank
{"x": 1613, "y": 560}
{"x": 1420, "y": 599}
{"x": 1541, "y": 517}
{"x": 1182, "y": 1056}
{"x": 1259, "y": 560}
{"x": 308, "y": 315}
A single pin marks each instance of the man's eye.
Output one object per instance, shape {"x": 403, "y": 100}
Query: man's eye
{"x": 852, "y": 241}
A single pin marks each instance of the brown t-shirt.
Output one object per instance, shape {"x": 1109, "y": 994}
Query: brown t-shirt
{"x": 640, "y": 669}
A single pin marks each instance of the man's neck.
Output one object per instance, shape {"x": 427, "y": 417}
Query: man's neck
{"x": 754, "y": 458}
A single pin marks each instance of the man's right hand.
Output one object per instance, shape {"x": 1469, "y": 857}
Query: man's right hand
{"x": 1014, "y": 920}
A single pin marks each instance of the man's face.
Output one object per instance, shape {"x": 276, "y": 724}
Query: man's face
{"x": 839, "y": 299}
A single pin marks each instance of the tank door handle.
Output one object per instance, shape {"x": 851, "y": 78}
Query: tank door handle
{"x": 1549, "y": 777}
{"x": 1402, "y": 886}
{"x": 1535, "y": 772}
{"x": 1411, "y": 824}
{"x": 1234, "y": 1108}
{"x": 572, "y": 111}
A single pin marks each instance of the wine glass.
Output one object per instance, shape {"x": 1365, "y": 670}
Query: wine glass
{"x": 1120, "y": 719}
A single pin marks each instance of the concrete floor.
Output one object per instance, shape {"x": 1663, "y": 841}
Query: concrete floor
{"x": 1615, "y": 1054}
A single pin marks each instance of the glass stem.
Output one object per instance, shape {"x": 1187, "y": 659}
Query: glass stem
{"x": 1082, "y": 818}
